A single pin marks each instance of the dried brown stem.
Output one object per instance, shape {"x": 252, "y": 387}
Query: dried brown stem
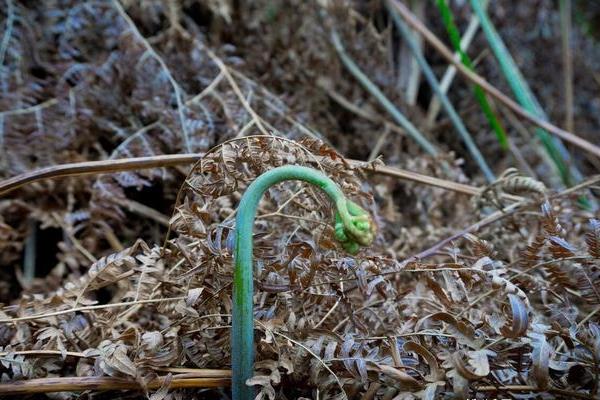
{"x": 96, "y": 167}
{"x": 205, "y": 379}
{"x": 128, "y": 164}
{"x": 527, "y": 388}
{"x": 87, "y": 308}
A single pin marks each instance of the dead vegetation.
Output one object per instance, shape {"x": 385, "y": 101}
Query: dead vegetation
{"x": 122, "y": 280}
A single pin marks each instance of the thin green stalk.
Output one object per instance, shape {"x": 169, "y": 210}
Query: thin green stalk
{"x": 435, "y": 85}
{"x": 353, "y": 228}
{"x": 450, "y": 73}
{"x": 554, "y": 147}
{"x": 455, "y": 39}
{"x": 491, "y": 90}
{"x": 29, "y": 260}
{"x": 354, "y": 69}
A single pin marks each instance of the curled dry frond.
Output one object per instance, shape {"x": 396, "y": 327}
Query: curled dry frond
{"x": 593, "y": 238}
{"x": 511, "y": 181}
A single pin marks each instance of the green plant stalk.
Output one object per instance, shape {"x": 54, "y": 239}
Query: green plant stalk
{"x": 450, "y": 73}
{"x": 554, "y": 147}
{"x": 455, "y": 39}
{"x": 369, "y": 86}
{"x": 435, "y": 85}
{"x": 29, "y": 259}
{"x": 353, "y": 228}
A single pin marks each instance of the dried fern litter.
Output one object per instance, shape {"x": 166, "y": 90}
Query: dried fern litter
{"x": 131, "y": 130}
{"x": 470, "y": 300}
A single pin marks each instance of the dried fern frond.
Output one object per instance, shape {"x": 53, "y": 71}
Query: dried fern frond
{"x": 512, "y": 181}
{"x": 593, "y": 238}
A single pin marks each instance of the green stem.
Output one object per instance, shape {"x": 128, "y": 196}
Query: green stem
{"x": 435, "y": 86}
{"x": 455, "y": 39}
{"x": 353, "y": 228}
{"x": 554, "y": 147}
{"x": 370, "y": 87}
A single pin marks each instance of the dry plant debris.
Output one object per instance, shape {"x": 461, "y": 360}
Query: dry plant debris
{"x": 135, "y": 291}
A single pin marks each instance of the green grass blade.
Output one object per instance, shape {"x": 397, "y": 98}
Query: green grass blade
{"x": 435, "y": 86}
{"x": 451, "y": 71}
{"x": 554, "y": 147}
{"x": 455, "y": 39}
{"x": 355, "y": 70}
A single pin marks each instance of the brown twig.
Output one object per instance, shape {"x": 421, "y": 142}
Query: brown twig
{"x": 128, "y": 164}
{"x": 96, "y": 167}
{"x": 490, "y": 219}
{"x": 86, "y": 309}
{"x": 416, "y": 177}
{"x": 214, "y": 379}
{"x": 527, "y": 388}
{"x": 416, "y": 24}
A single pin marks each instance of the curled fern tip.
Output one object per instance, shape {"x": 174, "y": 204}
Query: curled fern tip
{"x": 353, "y": 227}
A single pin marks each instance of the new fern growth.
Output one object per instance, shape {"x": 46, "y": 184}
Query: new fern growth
{"x": 353, "y": 228}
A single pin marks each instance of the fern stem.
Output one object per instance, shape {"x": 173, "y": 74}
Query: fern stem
{"x": 435, "y": 85}
{"x": 353, "y": 229}
{"x": 455, "y": 39}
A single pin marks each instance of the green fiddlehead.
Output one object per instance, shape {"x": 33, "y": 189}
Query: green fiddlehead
{"x": 353, "y": 228}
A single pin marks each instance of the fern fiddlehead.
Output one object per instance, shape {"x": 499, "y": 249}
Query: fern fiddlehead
{"x": 353, "y": 228}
